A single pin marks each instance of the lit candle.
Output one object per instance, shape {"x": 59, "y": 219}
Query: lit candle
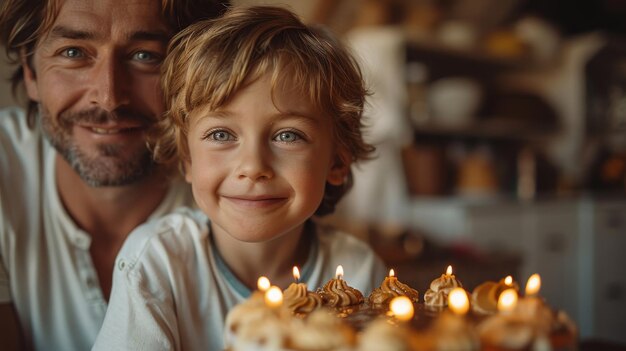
{"x": 339, "y": 272}
{"x": 449, "y": 271}
{"x": 274, "y": 297}
{"x": 401, "y": 308}
{"x": 263, "y": 284}
{"x": 296, "y": 274}
{"x": 533, "y": 285}
{"x": 296, "y": 277}
{"x": 508, "y": 281}
{"x": 507, "y": 301}
{"x": 458, "y": 301}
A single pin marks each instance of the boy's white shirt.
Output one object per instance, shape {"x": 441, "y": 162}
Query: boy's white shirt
{"x": 172, "y": 291}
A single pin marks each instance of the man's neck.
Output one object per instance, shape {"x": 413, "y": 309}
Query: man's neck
{"x": 108, "y": 212}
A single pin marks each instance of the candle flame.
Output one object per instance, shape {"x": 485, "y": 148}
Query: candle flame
{"x": 274, "y": 297}
{"x": 296, "y": 273}
{"x": 339, "y": 272}
{"x": 507, "y": 300}
{"x": 458, "y": 301}
{"x": 508, "y": 280}
{"x": 392, "y": 273}
{"x": 533, "y": 285}
{"x": 402, "y": 308}
{"x": 263, "y": 283}
{"x": 449, "y": 270}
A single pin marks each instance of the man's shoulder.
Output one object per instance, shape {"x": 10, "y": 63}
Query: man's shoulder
{"x": 13, "y": 124}
{"x": 175, "y": 235}
{"x": 18, "y": 141}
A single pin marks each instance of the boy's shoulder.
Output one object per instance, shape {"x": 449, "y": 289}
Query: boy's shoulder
{"x": 173, "y": 235}
{"x": 338, "y": 240}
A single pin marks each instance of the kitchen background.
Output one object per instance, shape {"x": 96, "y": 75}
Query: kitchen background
{"x": 501, "y": 133}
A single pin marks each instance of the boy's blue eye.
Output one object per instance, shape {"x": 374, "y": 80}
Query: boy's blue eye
{"x": 287, "y": 137}
{"x": 220, "y": 135}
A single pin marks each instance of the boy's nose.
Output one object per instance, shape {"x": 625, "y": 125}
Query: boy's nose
{"x": 109, "y": 83}
{"x": 254, "y": 163}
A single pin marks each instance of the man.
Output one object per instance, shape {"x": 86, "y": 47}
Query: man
{"x": 76, "y": 176}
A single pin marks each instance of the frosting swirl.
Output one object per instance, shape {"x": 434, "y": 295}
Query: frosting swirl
{"x": 437, "y": 295}
{"x": 321, "y": 331}
{"x": 512, "y": 332}
{"x": 299, "y": 300}
{"x": 337, "y": 293}
{"x": 485, "y": 296}
{"x": 453, "y": 333}
{"x": 390, "y": 288}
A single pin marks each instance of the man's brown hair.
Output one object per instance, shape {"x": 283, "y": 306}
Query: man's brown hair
{"x": 24, "y": 22}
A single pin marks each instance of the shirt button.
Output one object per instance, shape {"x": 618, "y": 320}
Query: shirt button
{"x": 121, "y": 264}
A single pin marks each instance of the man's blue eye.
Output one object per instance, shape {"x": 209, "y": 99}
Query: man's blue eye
{"x": 146, "y": 56}
{"x": 72, "y": 53}
{"x": 143, "y": 56}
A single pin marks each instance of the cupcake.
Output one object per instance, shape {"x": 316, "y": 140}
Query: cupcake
{"x": 321, "y": 331}
{"x": 390, "y": 288}
{"x": 437, "y": 295}
{"x": 299, "y": 300}
{"x": 485, "y": 296}
{"x": 337, "y": 293}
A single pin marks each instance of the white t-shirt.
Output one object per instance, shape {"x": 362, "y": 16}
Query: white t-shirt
{"x": 46, "y": 270}
{"x": 172, "y": 291}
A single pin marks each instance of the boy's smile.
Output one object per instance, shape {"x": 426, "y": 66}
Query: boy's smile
{"x": 260, "y": 163}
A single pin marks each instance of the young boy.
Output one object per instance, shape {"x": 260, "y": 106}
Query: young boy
{"x": 264, "y": 114}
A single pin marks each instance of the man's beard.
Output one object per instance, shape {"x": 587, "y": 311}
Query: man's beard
{"x": 111, "y": 164}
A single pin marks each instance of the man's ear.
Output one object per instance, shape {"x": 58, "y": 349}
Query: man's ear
{"x": 30, "y": 79}
{"x": 339, "y": 169}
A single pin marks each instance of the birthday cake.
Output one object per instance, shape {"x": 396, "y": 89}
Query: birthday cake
{"x": 336, "y": 316}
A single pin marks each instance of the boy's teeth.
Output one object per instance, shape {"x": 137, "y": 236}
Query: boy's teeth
{"x": 105, "y": 131}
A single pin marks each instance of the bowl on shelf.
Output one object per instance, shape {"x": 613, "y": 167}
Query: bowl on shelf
{"x": 454, "y": 101}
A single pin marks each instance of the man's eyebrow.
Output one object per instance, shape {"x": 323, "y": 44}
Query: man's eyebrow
{"x": 79, "y": 34}
{"x": 69, "y": 33}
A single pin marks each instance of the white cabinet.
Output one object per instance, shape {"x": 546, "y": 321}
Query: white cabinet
{"x": 609, "y": 271}
{"x": 579, "y": 249}
{"x": 544, "y": 235}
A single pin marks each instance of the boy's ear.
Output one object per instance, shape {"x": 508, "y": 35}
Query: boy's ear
{"x": 186, "y": 169}
{"x": 339, "y": 169}
{"x": 30, "y": 79}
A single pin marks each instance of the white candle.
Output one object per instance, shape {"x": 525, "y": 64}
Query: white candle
{"x": 458, "y": 301}
{"x": 533, "y": 285}
{"x": 507, "y": 301}
{"x": 401, "y": 307}
{"x": 274, "y": 297}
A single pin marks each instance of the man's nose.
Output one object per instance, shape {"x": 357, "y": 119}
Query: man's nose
{"x": 109, "y": 83}
{"x": 254, "y": 162}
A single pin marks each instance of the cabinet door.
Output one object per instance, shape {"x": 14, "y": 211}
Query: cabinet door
{"x": 552, "y": 254}
{"x": 497, "y": 228}
{"x": 609, "y": 271}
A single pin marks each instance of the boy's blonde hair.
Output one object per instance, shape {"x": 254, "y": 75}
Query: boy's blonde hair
{"x": 210, "y": 61}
